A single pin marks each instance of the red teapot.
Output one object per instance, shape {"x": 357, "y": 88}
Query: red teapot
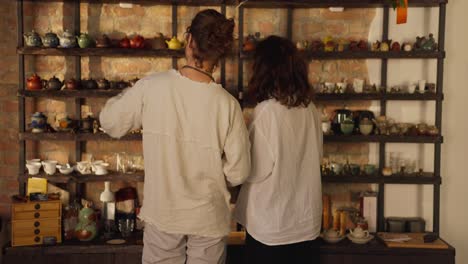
{"x": 34, "y": 82}
{"x": 137, "y": 42}
{"x": 124, "y": 43}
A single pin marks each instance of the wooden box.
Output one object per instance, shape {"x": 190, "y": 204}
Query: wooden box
{"x": 32, "y": 221}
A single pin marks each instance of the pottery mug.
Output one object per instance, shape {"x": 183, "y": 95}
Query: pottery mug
{"x": 412, "y": 88}
{"x": 33, "y": 167}
{"x": 358, "y": 85}
{"x": 422, "y": 85}
{"x": 50, "y": 166}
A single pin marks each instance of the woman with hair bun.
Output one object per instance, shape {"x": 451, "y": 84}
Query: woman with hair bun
{"x": 195, "y": 145}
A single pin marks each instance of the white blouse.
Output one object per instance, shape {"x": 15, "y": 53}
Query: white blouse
{"x": 281, "y": 201}
{"x": 195, "y": 144}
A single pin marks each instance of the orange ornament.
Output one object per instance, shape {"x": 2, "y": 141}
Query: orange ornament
{"x": 402, "y": 13}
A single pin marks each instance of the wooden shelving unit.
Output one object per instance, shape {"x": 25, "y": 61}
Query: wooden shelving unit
{"x": 383, "y": 98}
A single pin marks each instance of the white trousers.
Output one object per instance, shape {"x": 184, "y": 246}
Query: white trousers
{"x": 163, "y": 248}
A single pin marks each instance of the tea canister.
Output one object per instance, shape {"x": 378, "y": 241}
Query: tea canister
{"x": 38, "y": 122}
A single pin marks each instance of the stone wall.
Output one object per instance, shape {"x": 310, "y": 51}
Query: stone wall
{"x": 148, "y": 21}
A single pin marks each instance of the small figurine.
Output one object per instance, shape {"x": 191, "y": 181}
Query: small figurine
{"x": 396, "y": 46}
{"x": 385, "y": 45}
{"x": 407, "y": 47}
{"x": 375, "y": 46}
{"x": 329, "y": 44}
{"x": 95, "y": 126}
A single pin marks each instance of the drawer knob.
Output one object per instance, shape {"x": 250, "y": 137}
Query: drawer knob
{"x": 37, "y": 206}
{"x": 37, "y": 231}
{"x": 37, "y": 215}
{"x": 37, "y": 239}
{"x": 36, "y": 224}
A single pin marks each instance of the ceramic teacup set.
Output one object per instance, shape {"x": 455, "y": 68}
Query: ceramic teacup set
{"x": 357, "y": 235}
{"x": 50, "y": 167}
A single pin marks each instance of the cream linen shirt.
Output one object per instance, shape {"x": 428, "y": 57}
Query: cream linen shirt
{"x": 195, "y": 144}
{"x": 281, "y": 201}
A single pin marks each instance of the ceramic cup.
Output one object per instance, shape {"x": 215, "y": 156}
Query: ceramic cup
{"x": 100, "y": 168}
{"x": 412, "y": 88}
{"x": 33, "y": 161}
{"x": 358, "y": 85}
{"x": 33, "y": 167}
{"x": 422, "y": 85}
{"x": 50, "y": 166}
{"x": 326, "y": 126}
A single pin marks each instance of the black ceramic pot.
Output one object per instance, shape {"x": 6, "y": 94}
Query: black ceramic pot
{"x": 340, "y": 116}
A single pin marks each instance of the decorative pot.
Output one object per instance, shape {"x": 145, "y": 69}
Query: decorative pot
{"x": 50, "y": 40}
{"x": 53, "y": 84}
{"x": 86, "y": 229}
{"x": 38, "y": 122}
{"x": 32, "y": 39}
{"x": 34, "y": 82}
{"x": 84, "y": 40}
{"x": 67, "y": 40}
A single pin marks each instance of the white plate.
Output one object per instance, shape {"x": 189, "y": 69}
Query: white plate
{"x": 115, "y": 241}
{"x": 363, "y": 240}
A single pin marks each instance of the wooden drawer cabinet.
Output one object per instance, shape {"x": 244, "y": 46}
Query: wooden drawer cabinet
{"x": 33, "y": 221}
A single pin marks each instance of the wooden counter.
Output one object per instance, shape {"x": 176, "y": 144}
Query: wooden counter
{"x": 342, "y": 253}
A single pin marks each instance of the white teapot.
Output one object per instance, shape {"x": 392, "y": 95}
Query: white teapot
{"x": 358, "y": 232}
{"x": 332, "y": 234}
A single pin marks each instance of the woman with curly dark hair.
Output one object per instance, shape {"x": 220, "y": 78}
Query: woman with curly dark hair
{"x": 280, "y": 204}
{"x": 195, "y": 144}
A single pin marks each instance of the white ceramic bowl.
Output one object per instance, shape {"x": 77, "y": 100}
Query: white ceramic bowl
{"x": 64, "y": 169}
{"x": 33, "y": 168}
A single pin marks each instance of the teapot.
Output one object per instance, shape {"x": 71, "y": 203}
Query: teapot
{"x": 137, "y": 42}
{"x": 84, "y": 40}
{"x": 67, "y": 40}
{"x": 38, "y": 122}
{"x": 50, "y": 166}
{"x": 53, "y": 84}
{"x": 71, "y": 84}
{"x": 174, "y": 44}
{"x": 159, "y": 42}
{"x": 332, "y": 233}
{"x": 32, "y": 39}
{"x": 103, "y": 84}
{"x": 50, "y": 40}
{"x": 89, "y": 84}
{"x": 124, "y": 43}
{"x": 358, "y": 232}
{"x": 103, "y": 41}
{"x": 34, "y": 82}
{"x": 86, "y": 229}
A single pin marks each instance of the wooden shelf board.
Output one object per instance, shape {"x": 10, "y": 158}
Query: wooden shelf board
{"x": 70, "y": 93}
{"x": 343, "y": 3}
{"x": 75, "y": 136}
{"x": 57, "y": 178}
{"x": 336, "y": 55}
{"x": 105, "y": 52}
{"x": 111, "y": 176}
{"x": 383, "y": 139}
{"x": 378, "y": 96}
{"x": 415, "y": 178}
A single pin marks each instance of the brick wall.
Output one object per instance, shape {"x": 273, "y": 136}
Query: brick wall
{"x": 148, "y": 21}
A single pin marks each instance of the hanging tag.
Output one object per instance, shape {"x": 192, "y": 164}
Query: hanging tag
{"x": 402, "y": 11}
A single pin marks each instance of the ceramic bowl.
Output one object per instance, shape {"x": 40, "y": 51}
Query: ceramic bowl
{"x": 347, "y": 128}
{"x": 64, "y": 169}
{"x": 333, "y": 240}
{"x": 366, "y": 129}
{"x": 33, "y": 168}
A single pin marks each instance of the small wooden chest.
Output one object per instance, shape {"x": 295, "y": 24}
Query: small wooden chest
{"x": 32, "y": 221}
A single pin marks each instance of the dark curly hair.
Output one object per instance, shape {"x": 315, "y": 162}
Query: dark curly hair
{"x": 279, "y": 72}
{"x": 212, "y": 33}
